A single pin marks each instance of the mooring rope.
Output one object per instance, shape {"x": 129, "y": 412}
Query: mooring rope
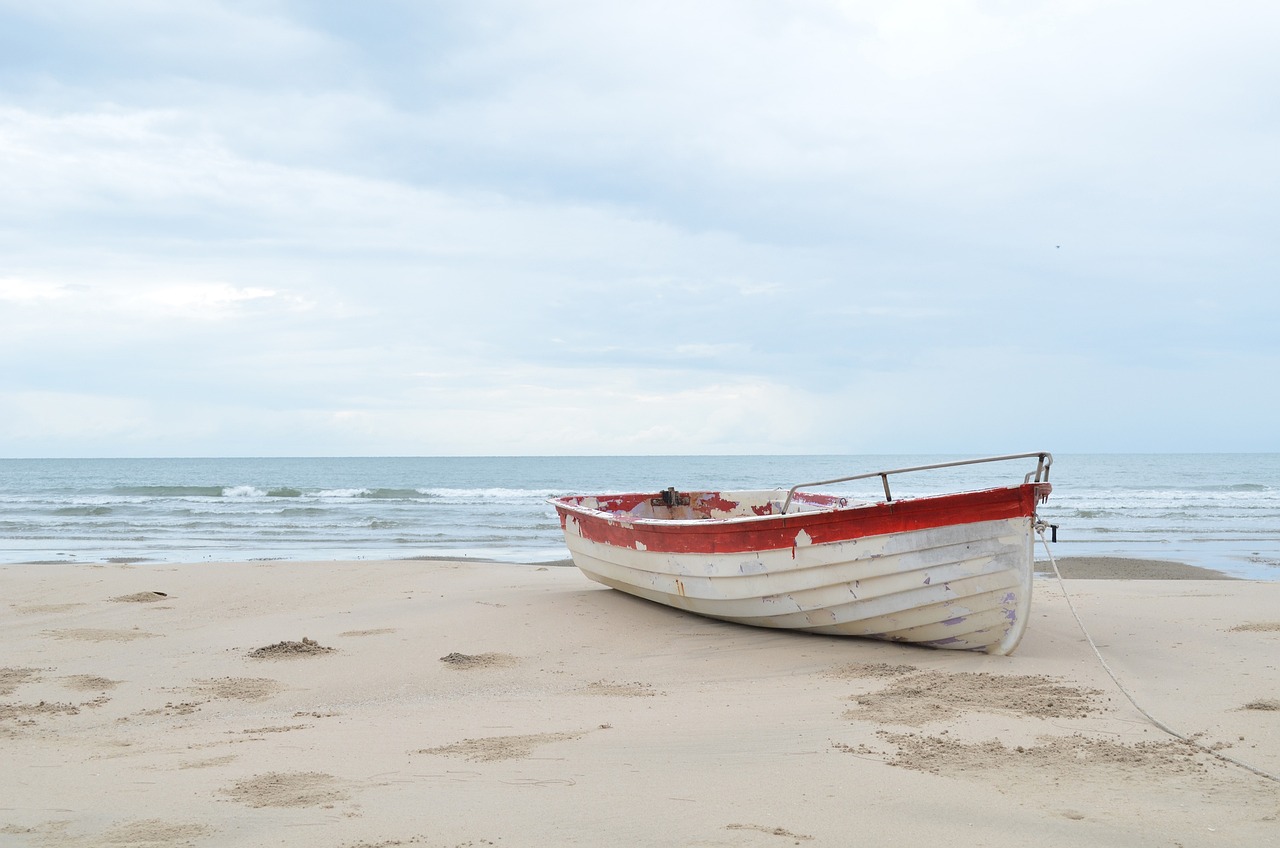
{"x": 1115, "y": 679}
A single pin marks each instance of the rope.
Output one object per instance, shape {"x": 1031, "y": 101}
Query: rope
{"x": 1157, "y": 722}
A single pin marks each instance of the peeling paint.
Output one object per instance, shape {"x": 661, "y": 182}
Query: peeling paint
{"x": 620, "y": 519}
{"x": 709, "y": 503}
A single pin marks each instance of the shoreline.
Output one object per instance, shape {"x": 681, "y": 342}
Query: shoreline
{"x": 447, "y": 703}
{"x": 1104, "y": 567}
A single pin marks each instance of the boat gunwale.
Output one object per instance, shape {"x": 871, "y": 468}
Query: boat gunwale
{"x": 811, "y": 528}
{"x": 623, "y": 518}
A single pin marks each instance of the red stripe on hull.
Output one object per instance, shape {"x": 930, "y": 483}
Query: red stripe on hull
{"x": 780, "y": 531}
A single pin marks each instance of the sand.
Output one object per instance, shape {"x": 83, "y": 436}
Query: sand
{"x": 1124, "y": 568}
{"x": 434, "y": 703}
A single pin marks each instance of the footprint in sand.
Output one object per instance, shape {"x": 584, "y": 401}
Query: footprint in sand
{"x": 492, "y": 748}
{"x": 288, "y": 789}
{"x": 25, "y": 712}
{"x": 377, "y": 632}
{"x": 772, "y": 831}
{"x": 209, "y": 763}
{"x": 236, "y": 688}
{"x": 36, "y": 609}
{"x": 12, "y": 678}
{"x": 218, "y": 688}
{"x": 89, "y": 683}
{"x": 1257, "y": 627}
{"x": 275, "y": 728}
{"x": 96, "y": 635}
{"x": 923, "y": 697}
{"x": 155, "y": 832}
{"x": 1074, "y": 754}
{"x": 621, "y": 690}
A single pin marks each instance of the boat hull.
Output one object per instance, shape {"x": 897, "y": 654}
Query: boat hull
{"x": 952, "y": 571}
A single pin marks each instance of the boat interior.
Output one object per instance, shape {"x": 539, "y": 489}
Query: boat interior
{"x": 673, "y": 505}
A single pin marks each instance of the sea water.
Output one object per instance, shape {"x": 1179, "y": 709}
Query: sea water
{"x": 1217, "y": 510}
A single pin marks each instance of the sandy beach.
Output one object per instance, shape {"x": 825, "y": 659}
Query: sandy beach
{"x": 439, "y": 703}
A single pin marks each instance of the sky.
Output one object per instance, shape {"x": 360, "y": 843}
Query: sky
{"x": 238, "y": 228}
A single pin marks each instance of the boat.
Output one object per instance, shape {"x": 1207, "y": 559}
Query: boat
{"x": 951, "y": 570}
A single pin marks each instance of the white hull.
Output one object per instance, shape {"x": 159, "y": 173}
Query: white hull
{"x": 965, "y": 586}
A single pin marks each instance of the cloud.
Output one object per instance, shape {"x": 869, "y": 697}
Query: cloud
{"x": 48, "y": 418}
{"x": 201, "y": 301}
{"x": 498, "y": 227}
{"x": 28, "y": 291}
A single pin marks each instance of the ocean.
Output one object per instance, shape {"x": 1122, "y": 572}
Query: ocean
{"x": 1217, "y": 510}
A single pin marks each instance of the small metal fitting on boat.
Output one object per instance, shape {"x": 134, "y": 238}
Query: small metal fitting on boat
{"x": 1041, "y": 526}
{"x": 670, "y": 497}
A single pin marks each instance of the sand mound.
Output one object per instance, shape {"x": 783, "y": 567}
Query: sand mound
{"x": 489, "y": 660}
{"x": 285, "y": 650}
{"x": 141, "y": 598}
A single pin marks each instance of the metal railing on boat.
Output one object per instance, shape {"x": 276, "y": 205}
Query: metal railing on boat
{"x": 1041, "y": 474}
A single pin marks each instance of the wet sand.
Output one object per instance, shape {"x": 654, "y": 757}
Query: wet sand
{"x": 1123, "y": 568}
{"x": 437, "y": 703}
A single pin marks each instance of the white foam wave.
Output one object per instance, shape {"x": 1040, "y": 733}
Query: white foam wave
{"x": 495, "y": 493}
{"x": 243, "y": 492}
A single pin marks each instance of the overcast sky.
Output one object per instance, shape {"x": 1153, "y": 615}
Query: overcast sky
{"x": 815, "y": 226}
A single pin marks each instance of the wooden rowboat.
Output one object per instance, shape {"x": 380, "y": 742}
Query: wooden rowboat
{"x": 947, "y": 571}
